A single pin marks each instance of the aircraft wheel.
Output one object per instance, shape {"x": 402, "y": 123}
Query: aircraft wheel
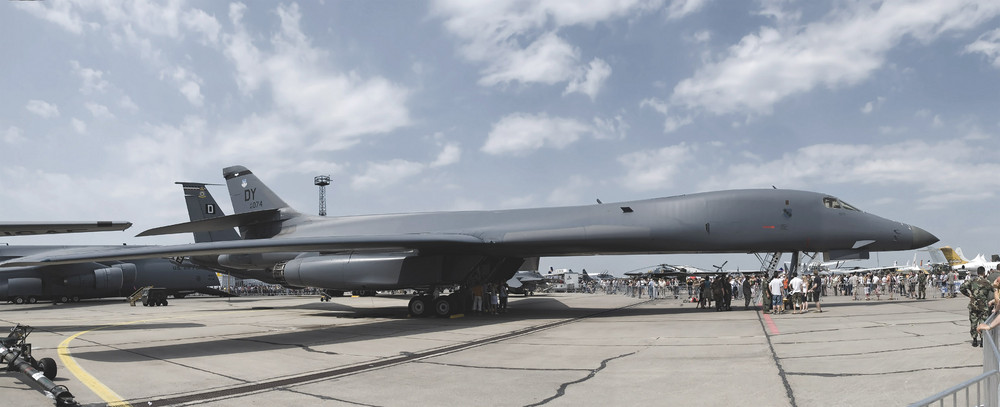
{"x": 32, "y": 300}
{"x": 48, "y": 367}
{"x": 442, "y": 306}
{"x": 19, "y": 300}
{"x": 418, "y": 306}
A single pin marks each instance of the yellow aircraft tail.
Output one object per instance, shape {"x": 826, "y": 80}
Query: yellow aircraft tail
{"x": 954, "y": 258}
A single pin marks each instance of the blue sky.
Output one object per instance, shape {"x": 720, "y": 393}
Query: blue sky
{"x": 457, "y": 105}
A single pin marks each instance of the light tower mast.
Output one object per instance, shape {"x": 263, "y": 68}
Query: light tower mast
{"x": 322, "y": 181}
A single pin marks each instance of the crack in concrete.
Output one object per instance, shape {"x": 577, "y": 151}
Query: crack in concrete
{"x": 562, "y": 388}
{"x": 326, "y": 398}
{"x": 306, "y": 348}
{"x": 505, "y": 368}
{"x": 777, "y": 361}
{"x": 881, "y": 373}
{"x": 872, "y": 352}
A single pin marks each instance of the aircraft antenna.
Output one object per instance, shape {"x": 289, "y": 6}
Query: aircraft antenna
{"x": 322, "y": 181}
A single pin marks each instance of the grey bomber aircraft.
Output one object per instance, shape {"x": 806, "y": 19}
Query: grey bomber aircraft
{"x": 425, "y": 251}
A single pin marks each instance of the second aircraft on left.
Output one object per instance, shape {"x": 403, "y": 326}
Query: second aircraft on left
{"x": 73, "y": 282}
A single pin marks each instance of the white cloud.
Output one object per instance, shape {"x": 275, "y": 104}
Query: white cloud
{"x": 126, "y": 103}
{"x": 872, "y": 105}
{"x": 938, "y": 169}
{"x": 204, "y": 24}
{"x": 590, "y": 80}
{"x": 521, "y": 133}
{"x": 988, "y": 44}
{"x": 341, "y": 107}
{"x": 42, "y": 109}
{"x": 842, "y": 49}
{"x": 680, "y": 8}
{"x": 12, "y": 135}
{"x": 701, "y": 37}
{"x": 548, "y": 60}
{"x": 93, "y": 80}
{"x": 673, "y": 121}
{"x": 79, "y": 125}
{"x": 610, "y": 129}
{"x": 450, "y": 154}
{"x": 385, "y": 174}
{"x": 59, "y": 12}
{"x": 188, "y": 84}
{"x": 518, "y": 41}
{"x": 99, "y": 111}
{"x": 654, "y": 169}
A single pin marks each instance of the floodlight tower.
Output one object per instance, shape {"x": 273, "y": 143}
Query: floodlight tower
{"x": 322, "y": 181}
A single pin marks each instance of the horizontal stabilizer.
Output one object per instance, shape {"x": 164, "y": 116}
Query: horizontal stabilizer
{"x": 50, "y": 228}
{"x": 213, "y": 224}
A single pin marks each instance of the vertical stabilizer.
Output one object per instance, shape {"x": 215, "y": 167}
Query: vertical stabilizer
{"x": 936, "y": 255}
{"x": 201, "y": 205}
{"x": 958, "y": 251}
{"x": 953, "y": 256}
{"x": 248, "y": 193}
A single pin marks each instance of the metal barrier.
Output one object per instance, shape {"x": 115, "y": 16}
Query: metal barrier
{"x": 982, "y": 390}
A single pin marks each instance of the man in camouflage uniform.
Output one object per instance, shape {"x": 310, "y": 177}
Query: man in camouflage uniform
{"x": 980, "y": 292}
{"x": 922, "y": 285}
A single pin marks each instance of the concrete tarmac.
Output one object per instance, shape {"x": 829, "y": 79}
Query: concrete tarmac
{"x": 551, "y": 349}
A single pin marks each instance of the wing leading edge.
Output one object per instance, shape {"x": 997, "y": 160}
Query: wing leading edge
{"x": 422, "y": 241}
{"x": 49, "y": 228}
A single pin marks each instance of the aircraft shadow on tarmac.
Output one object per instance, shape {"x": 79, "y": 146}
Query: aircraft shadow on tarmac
{"x": 387, "y": 322}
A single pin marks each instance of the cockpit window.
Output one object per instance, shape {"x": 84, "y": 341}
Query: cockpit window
{"x": 831, "y": 202}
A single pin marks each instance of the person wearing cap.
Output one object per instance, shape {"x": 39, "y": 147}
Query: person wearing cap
{"x": 980, "y": 292}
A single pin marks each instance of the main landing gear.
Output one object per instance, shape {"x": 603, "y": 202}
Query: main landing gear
{"x": 425, "y": 305}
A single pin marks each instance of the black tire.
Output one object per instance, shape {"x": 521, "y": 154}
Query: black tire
{"x": 443, "y": 307}
{"x": 145, "y": 303}
{"x": 48, "y": 367}
{"x": 163, "y": 303}
{"x": 75, "y": 299}
{"x": 32, "y": 300}
{"x": 64, "y": 299}
{"x": 418, "y": 306}
{"x": 19, "y": 300}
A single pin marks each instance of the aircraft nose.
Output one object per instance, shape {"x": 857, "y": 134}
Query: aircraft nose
{"x": 922, "y": 238}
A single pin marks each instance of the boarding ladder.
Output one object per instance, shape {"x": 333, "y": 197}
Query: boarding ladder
{"x": 769, "y": 261}
{"x": 137, "y": 295}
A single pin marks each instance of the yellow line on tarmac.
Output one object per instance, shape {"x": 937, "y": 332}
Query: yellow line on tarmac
{"x": 105, "y": 393}
{"x": 102, "y": 391}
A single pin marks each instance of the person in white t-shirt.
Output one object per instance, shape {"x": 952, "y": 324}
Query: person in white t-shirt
{"x": 776, "y": 285}
{"x": 795, "y": 288}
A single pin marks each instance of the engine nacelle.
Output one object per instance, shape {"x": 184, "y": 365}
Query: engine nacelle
{"x": 372, "y": 271}
{"x": 21, "y": 287}
{"x": 108, "y": 278}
